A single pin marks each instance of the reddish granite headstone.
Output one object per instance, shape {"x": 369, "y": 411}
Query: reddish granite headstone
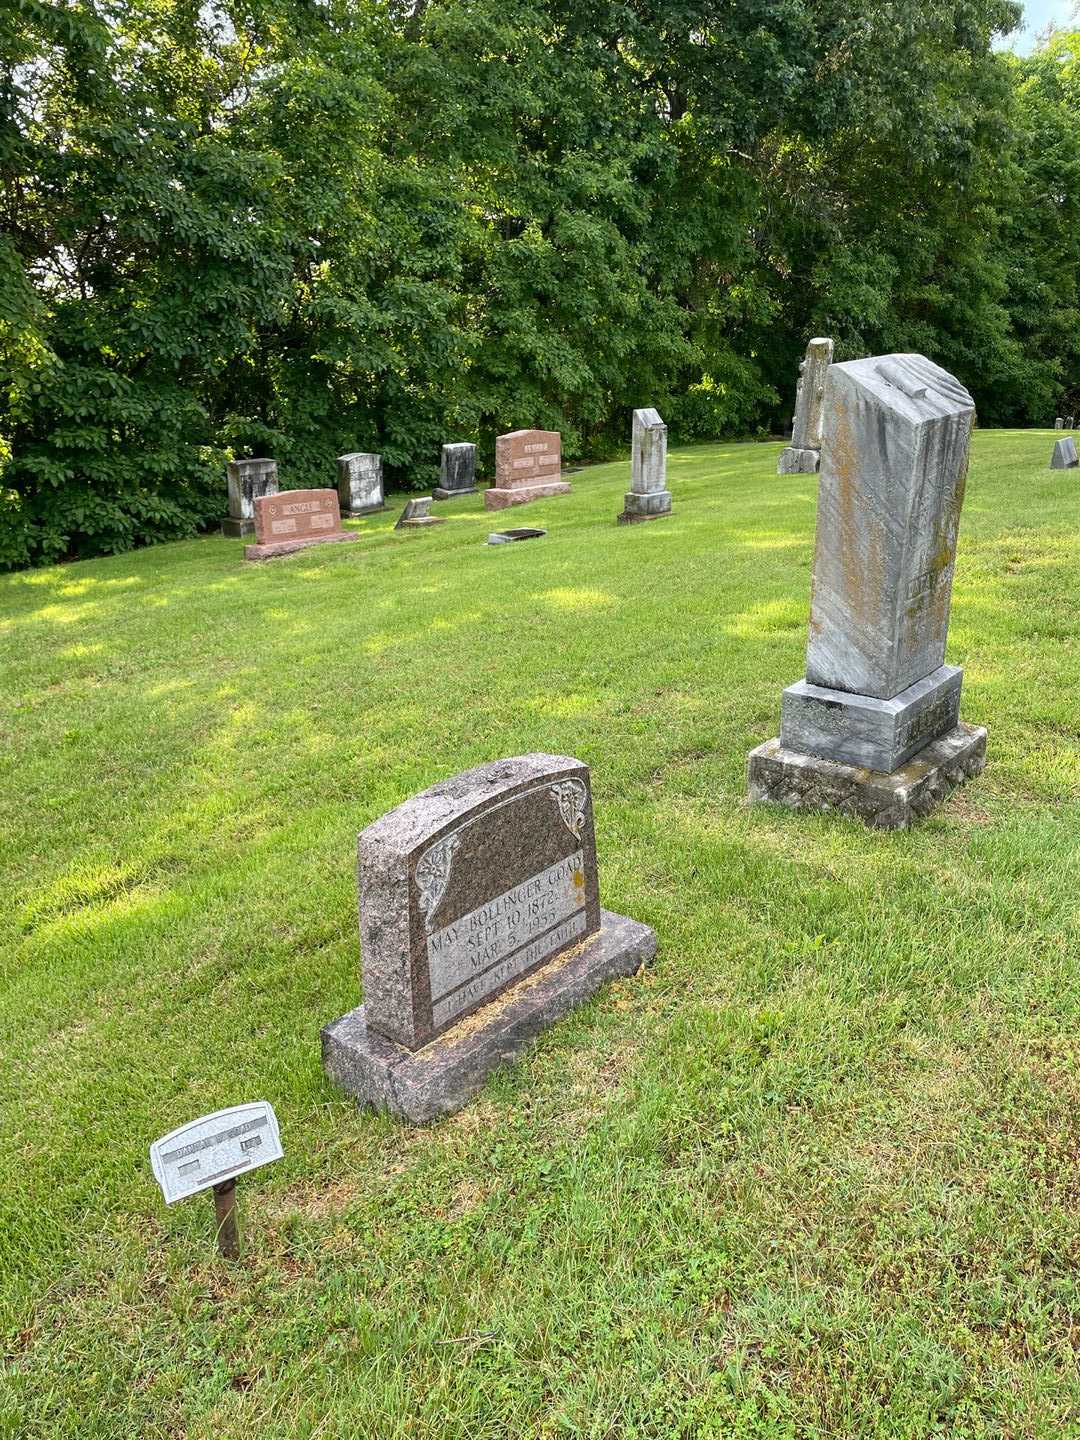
{"x": 293, "y": 520}
{"x": 527, "y": 467}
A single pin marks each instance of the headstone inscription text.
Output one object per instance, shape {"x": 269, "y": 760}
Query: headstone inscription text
{"x": 215, "y": 1148}
{"x": 508, "y": 884}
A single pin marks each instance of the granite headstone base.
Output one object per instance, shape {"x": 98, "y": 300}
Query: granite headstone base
{"x": 796, "y": 461}
{"x": 498, "y": 498}
{"x": 636, "y": 506}
{"x": 234, "y": 529}
{"x": 421, "y": 1085}
{"x": 885, "y": 802}
{"x": 290, "y": 547}
{"x": 440, "y": 494}
{"x": 356, "y": 513}
{"x": 863, "y": 730}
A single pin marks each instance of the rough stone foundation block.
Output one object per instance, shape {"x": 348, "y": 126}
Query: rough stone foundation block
{"x": 421, "y": 1085}
{"x": 779, "y": 776}
{"x": 234, "y": 529}
{"x": 797, "y": 461}
{"x": 499, "y": 499}
{"x": 290, "y": 547}
{"x": 862, "y": 730}
{"x": 652, "y": 506}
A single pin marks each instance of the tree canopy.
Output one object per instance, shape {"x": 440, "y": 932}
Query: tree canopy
{"x": 306, "y": 227}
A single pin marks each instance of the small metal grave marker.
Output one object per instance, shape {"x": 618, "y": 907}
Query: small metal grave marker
{"x": 213, "y": 1151}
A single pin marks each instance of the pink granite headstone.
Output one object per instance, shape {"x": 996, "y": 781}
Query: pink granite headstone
{"x": 528, "y": 465}
{"x": 293, "y": 520}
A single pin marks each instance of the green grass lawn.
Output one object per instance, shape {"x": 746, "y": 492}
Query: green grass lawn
{"x": 814, "y": 1174}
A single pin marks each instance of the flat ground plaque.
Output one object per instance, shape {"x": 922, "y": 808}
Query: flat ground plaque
{"x": 215, "y": 1148}
{"x": 466, "y": 891}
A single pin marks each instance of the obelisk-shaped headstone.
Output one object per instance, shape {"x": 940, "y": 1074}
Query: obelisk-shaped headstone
{"x": 803, "y": 455}
{"x": 877, "y": 693}
{"x": 648, "y": 497}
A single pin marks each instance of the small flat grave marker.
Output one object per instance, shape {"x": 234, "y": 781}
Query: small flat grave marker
{"x": 480, "y": 924}
{"x": 507, "y": 537}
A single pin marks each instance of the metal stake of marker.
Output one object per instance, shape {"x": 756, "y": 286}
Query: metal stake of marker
{"x": 228, "y": 1230}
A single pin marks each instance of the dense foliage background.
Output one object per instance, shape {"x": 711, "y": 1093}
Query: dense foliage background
{"x": 300, "y": 227}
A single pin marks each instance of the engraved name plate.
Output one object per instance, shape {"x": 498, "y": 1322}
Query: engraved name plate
{"x": 214, "y": 1148}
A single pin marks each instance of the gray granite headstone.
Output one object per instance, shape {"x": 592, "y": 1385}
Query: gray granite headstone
{"x": 457, "y": 472}
{"x": 467, "y": 892}
{"x": 1059, "y": 423}
{"x": 1070, "y": 422}
{"x": 360, "y": 484}
{"x": 648, "y": 497}
{"x": 877, "y": 690}
{"x": 1064, "y": 455}
{"x": 247, "y": 481}
{"x": 803, "y": 455}
{"x": 417, "y": 513}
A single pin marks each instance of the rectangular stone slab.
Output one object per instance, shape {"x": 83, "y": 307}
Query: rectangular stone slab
{"x": 862, "y": 730}
{"x": 527, "y": 458}
{"x": 893, "y": 467}
{"x": 360, "y": 484}
{"x": 648, "y": 453}
{"x": 457, "y": 472}
{"x": 653, "y": 506}
{"x": 421, "y": 1085}
{"x": 779, "y": 776}
{"x": 471, "y": 885}
{"x": 497, "y": 499}
{"x": 806, "y": 427}
{"x": 290, "y": 547}
{"x": 297, "y": 515}
{"x": 794, "y": 461}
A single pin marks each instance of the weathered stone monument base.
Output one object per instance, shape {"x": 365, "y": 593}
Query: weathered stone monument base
{"x": 863, "y": 730}
{"x": 653, "y": 506}
{"x": 289, "y": 547}
{"x": 779, "y": 776}
{"x": 363, "y": 510}
{"x": 421, "y": 1085}
{"x": 234, "y": 529}
{"x": 499, "y": 499}
{"x": 440, "y": 494}
{"x": 797, "y": 461}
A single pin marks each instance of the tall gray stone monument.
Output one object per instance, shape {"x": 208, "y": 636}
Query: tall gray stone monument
{"x": 648, "y": 497}
{"x": 874, "y": 728}
{"x": 480, "y": 925}
{"x": 803, "y": 455}
{"x": 247, "y": 481}
{"x": 360, "y": 484}
{"x": 457, "y": 472}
